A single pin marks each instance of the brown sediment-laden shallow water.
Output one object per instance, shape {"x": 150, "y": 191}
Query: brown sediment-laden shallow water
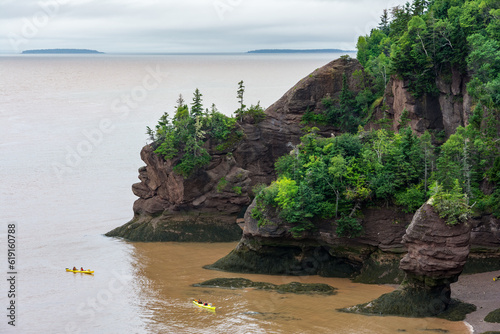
{"x": 70, "y": 153}
{"x": 168, "y": 271}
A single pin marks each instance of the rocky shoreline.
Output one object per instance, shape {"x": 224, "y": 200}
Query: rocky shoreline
{"x": 371, "y": 258}
{"x": 481, "y": 291}
{"x": 204, "y": 207}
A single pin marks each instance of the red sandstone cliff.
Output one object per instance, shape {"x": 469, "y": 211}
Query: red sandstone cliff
{"x": 204, "y": 207}
{"x": 215, "y": 194}
{"x": 444, "y": 111}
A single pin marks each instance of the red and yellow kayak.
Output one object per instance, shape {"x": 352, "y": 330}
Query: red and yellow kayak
{"x": 80, "y": 271}
{"x": 208, "y": 306}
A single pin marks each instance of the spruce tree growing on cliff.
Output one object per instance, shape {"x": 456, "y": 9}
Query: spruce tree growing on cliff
{"x": 428, "y": 153}
{"x": 180, "y": 101}
{"x": 197, "y": 105}
{"x": 240, "y": 92}
{"x": 346, "y": 114}
{"x": 384, "y": 22}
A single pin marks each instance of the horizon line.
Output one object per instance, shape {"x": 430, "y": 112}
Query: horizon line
{"x": 250, "y": 52}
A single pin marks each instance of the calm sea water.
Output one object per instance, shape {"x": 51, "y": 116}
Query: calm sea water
{"x": 71, "y": 131}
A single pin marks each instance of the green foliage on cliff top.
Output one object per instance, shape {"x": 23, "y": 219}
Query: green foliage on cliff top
{"x": 187, "y": 133}
{"x": 422, "y": 40}
{"x": 331, "y": 179}
{"x": 451, "y": 205}
{"x": 425, "y": 41}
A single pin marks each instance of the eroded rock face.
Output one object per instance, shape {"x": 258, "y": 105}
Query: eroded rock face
{"x": 220, "y": 186}
{"x": 436, "y": 257}
{"x": 217, "y": 193}
{"x": 286, "y": 113}
{"x": 271, "y": 249}
{"x": 201, "y": 208}
{"x": 445, "y": 111}
{"x": 437, "y": 252}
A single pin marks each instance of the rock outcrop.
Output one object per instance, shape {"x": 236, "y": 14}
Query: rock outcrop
{"x": 272, "y": 249}
{"x": 293, "y": 287}
{"x": 373, "y": 257}
{"x": 444, "y": 111}
{"x": 437, "y": 252}
{"x": 436, "y": 256}
{"x": 204, "y": 206}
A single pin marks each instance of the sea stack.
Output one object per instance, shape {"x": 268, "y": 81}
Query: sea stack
{"x": 204, "y": 207}
{"x": 437, "y": 253}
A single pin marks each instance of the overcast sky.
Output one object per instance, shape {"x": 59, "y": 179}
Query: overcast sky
{"x": 186, "y": 25}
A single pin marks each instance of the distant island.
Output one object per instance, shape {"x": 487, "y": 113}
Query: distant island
{"x": 299, "y": 51}
{"x": 63, "y": 51}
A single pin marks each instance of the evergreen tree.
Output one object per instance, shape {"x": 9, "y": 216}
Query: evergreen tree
{"x": 197, "y": 105}
{"x": 346, "y": 114}
{"x": 180, "y": 101}
{"x": 428, "y": 153}
{"x": 384, "y": 22}
{"x": 240, "y": 93}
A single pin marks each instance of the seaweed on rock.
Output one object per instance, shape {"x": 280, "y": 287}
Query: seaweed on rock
{"x": 293, "y": 287}
{"x": 493, "y": 316}
{"x": 414, "y": 303}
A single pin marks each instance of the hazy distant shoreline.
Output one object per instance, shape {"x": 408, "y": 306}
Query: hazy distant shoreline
{"x": 298, "y": 51}
{"x": 61, "y": 51}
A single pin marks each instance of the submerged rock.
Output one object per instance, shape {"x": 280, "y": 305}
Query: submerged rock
{"x": 293, "y": 287}
{"x": 194, "y": 228}
{"x": 235, "y": 283}
{"x": 413, "y": 303}
{"x": 493, "y": 316}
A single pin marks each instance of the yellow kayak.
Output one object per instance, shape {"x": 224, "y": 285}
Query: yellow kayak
{"x": 209, "y": 307}
{"x": 80, "y": 271}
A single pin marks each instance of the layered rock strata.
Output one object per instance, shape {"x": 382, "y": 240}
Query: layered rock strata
{"x": 442, "y": 112}
{"x": 272, "y": 249}
{"x": 437, "y": 253}
{"x": 373, "y": 257}
{"x": 436, "y": 256}
{"x": 205, "y": 206}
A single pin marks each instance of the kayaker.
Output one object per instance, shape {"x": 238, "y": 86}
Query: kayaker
{"x": 74, "y": 268}
{"x": 81, "y": 269}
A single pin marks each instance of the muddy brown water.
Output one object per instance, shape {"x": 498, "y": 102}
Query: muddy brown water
{"x": 169, "y": 270}
{"x": 69, "y": 158}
